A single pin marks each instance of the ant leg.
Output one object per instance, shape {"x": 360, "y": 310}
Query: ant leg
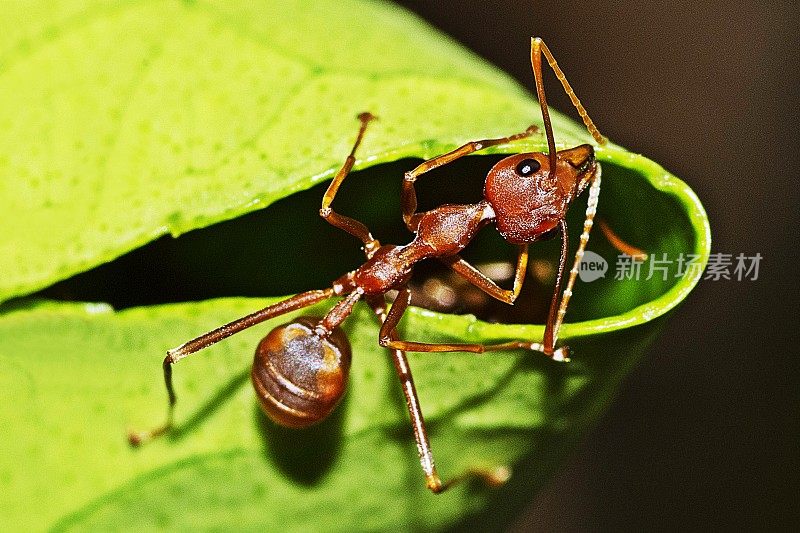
{"x": 288, "y": 305}
{"x": 408, "y": 196}
{"x": 554, "y": 317}
{"x": 637, "y": 254}
{"x": 591, "y": 209}
{"x": 351, "y": 226}
{"x": 477, "y": 278}
{"x": 388, "y": 340}
{"x": 338, "y": 313}
{"x": 494, "y": 477}
{"x": 588, "y": 223}
{"x": 174, "y": 355}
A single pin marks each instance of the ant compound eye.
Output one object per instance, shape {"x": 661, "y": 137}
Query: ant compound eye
{"x": 528, "y": 167}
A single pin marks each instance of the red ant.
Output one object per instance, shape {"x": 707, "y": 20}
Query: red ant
{"x": 301, "y": 368}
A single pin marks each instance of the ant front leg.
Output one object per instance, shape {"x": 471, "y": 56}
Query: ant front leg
{"x": 495, "y": 477}
{"x": 623, "y": 247}
{"x": 556, "y": 313}
{"x": 389, "y": 340}
{"x": 408, "y": 198}
{"x": 350, "y": 225}
{"x": 176, "y": 354}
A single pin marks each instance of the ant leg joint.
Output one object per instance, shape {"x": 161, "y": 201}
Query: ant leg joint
{"x": 371, "y": 247}
{"x": 561, "y": 354}
{"x": 385, "y": 341}
{"x": 409, "y": 176}
{"x": 434, "y": 483}
{"x": 173, "y": 356}
{"x": 325, "y": 212}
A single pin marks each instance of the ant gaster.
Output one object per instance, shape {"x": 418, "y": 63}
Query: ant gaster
{"x": 301, "y": 368}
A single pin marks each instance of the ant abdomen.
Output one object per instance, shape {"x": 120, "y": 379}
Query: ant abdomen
{"x": 300, "y": 376}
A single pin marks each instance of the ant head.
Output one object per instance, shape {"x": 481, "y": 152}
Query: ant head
{"x": 530, "y": 193}
{"x": 528, "y": 199}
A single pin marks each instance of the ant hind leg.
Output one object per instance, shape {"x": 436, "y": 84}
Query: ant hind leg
{"x": 493, "y": 477}
{"x": 174, "y": 355}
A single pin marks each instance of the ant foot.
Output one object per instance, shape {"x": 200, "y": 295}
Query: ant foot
{"x": 492, "y": 478}
{"x": 497, "y": 477}
{"x": 138, "y": 438}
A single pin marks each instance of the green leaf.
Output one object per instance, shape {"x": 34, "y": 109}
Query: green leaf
{"x": 80, "y": 375}
{"x": 125, "y": 122}
{"x": 122, "y": 122}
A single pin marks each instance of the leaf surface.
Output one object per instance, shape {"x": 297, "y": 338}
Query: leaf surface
{"x": 124, "y": 121}
{"x": 76, "y": 377}
{"x": 128, "y": 121}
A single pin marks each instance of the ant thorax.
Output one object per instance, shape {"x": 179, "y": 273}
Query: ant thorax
{"x": 440, "y": 232}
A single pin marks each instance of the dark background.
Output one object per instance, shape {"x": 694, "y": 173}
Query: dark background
{"x": 705, "y": 431}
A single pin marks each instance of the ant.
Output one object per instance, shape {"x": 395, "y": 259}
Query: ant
{"x": 301, "y": 368}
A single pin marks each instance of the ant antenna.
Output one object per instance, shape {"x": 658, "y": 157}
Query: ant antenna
{"x": 537, "y": 49}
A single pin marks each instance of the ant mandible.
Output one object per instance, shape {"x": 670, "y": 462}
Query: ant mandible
{"x": 300, "y": 368}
